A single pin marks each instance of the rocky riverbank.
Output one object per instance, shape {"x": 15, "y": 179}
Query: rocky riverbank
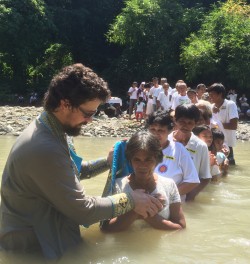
{"x": 14, "y": 119}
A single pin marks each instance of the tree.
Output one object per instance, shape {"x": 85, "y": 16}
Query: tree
{"x": 54, "y": 58}
{"x": 39, "y": 36}
{"x": 25, "y": 30}
{"x": 219, "y": 51}
{"x": 83, "y": 29}
{"x": 150, "y": 32}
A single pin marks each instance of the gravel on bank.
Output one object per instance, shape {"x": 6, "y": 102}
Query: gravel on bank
{"x": 13, "y": 120}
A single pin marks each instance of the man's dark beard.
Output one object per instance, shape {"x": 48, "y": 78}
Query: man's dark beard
{"x": 73, "y": 131}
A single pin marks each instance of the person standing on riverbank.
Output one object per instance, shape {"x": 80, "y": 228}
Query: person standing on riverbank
{"x": 132, "y": 92}
{"x": 226, "y": 112}
{"x": 42, "y": 200}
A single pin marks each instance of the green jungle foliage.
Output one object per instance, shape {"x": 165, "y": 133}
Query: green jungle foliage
{"x": 220, "y": 49}
{"x": 123, "y": 41}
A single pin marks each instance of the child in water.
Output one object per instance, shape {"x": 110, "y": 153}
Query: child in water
{"x": 220, "y": 150}
{"x": 205, "y": 134}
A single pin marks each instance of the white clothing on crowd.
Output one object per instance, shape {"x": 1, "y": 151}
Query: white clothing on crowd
{"x": 165, "y": 100}
{"x": 180, "y": 100}
{"x": 133, "y": 92}
{"x": 199, "y": 154}
{"x": 170, "y": 89}
{"x": 227, "y": 111}
{"x": 232, "y": 97}
{"x": 177, "y": 165}
{"x": 151, "y": 93}
{"x": 156, "y": 92}
{"x": 173, "y": 91}
{"x": 140, "y": 107}
{"x": 149, "y": 108}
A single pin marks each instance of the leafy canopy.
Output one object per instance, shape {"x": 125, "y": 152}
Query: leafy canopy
{"x": 220, "y": 49}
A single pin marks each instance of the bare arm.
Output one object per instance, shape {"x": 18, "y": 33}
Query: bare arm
{"x": 191, "y": 195}
{"x": 186, "y": 187}
{"x": 119, "y": 223}
{"x": 176, "y": 221}
{"x": 232, "y": 125}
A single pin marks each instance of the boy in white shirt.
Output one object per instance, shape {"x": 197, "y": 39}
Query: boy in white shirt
{"x": 226, "y": 112}
{"x": 186, "y": 117}
{"x": 182, "y": 97}
{"x": 132, "y": 92}
{"x": 154, "y": 91}
{"x": 164, "y": 98}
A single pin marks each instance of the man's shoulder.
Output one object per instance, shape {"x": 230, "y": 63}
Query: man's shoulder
{"x": 179, "y": 147}
{"x": 36, "y": 140}
{"x": 197, "y": 142}
{"x": 228, "y": 103}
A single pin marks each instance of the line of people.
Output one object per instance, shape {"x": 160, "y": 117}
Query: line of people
{"x": 194, "y": 153}
{"x": 43, "y": 203}
{"x": 154, "y": 95}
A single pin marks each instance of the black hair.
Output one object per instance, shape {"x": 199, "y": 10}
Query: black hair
{"x": 198, "y": 129}
{"x": 189, "y": 111}
{"x": 161, "y": 118}
{"x": 217, "y": 88}
{"x": 218, "y": 134}
{"x": 144, "y": 140}
{"x": 77, "y": 84}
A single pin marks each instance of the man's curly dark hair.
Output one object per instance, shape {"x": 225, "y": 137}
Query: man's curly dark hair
{"x": 77, "y": 84}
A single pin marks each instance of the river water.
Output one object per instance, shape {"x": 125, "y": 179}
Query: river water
{"x": 218, "y": 222}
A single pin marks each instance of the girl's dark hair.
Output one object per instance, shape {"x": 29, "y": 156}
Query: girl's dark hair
{"x": 77, "y": 84}
{"x": 217, "y": 134}
{"x": 144, "y": 140}
{"x": 161, "y": 118}
{"x": 198, "y": 129}
{"x": 189, "y": 111}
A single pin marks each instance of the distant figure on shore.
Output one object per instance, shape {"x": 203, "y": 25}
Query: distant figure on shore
{"x": 20, "y": 100}
{"x": 244, "y": 106}
{"x": 33, "y": 99}
{"x": 132, "y": 92}
{"x": 232, "y": 95}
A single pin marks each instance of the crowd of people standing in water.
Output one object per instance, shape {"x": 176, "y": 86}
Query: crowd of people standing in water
{"x": 187, "y": 143}
{"x": 150, "y": 96}
{"x": 215, "y": 110}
